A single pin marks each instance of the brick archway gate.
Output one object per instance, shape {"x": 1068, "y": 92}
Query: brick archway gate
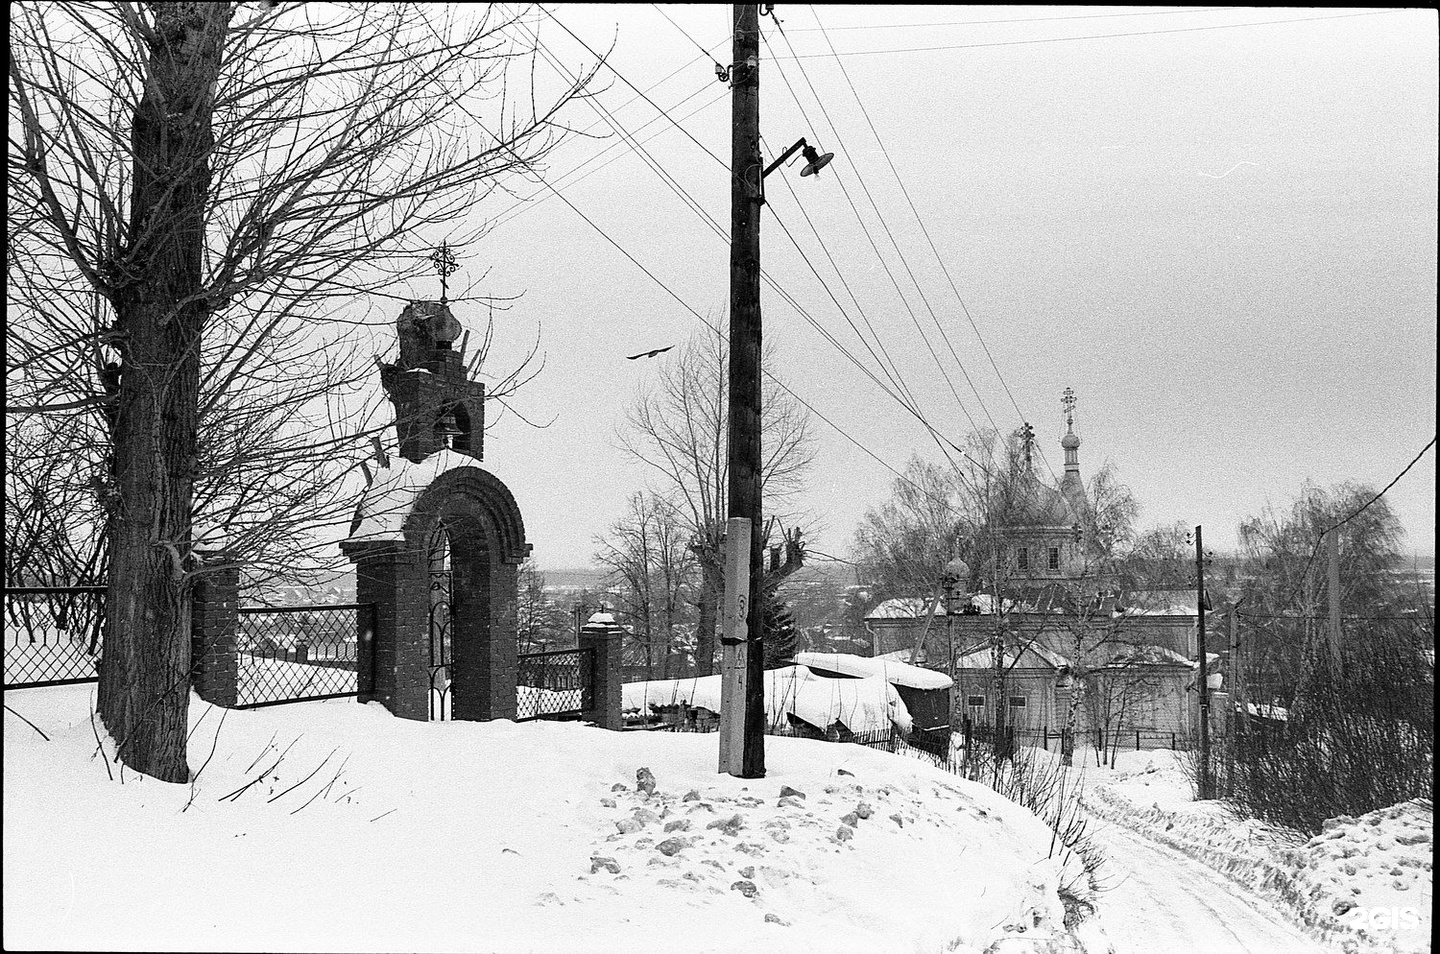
{"x": 457, "y": 638}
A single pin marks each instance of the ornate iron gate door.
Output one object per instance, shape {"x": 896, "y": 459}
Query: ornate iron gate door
{"x": 441, "y": 623}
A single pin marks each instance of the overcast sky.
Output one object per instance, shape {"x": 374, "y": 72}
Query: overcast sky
{"x": 1224, "y": 239}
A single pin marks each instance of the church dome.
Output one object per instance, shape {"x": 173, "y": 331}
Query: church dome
{"x": 1070, "y": 441}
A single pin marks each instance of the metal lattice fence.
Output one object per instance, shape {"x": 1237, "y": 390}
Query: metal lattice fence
{"x": 52, "y": 635}
{"x": 553, "y": 685}
{"x": 301, "y": 653}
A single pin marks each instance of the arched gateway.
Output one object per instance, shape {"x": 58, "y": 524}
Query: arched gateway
{"x": 437, "y": 542}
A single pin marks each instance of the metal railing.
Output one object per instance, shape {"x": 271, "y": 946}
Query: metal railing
{"x": 52, "y": 635}
{"x": 302, "y": 653}
{"x": 554, "y": 685}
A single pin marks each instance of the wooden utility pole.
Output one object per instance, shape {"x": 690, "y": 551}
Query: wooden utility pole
{"x": 1333, "y": 545}
{"x": 1237, "y": 670}
{"x": 1204, "y": 679}
{"x": 747, "y": 172}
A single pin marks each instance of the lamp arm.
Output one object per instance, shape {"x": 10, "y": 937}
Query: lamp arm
{"x": 783, "y": 156}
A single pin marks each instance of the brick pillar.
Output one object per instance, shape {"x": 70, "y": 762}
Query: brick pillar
{"x": 604, "y": 702}
{"x": 484, "y": 595}
{"x": 396, "y": 580}
{"x": 214, "y": 625}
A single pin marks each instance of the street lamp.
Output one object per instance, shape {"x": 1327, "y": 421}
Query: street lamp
{"x": 814, "y": 162}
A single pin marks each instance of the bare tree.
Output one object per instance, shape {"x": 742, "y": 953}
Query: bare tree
{"x": 680, "y": 429}
{"x": 222, "y": 173}
{"x": 541, "y": 624}
{"x": 647, "y": 554}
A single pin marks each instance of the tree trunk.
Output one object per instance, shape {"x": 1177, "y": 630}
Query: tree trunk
{"x": 710, "y": 589}
{"x": 143, "y": 696}
{"x": 1072, "y": 718}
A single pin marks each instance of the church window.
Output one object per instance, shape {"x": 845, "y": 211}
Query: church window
{"x": 1054, "y": 558}
{"x": 1022, "y": 558}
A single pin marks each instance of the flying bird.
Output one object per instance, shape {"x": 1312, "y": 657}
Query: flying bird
{"x": 1242, "y": 162}
{"x": 648, "y": 354}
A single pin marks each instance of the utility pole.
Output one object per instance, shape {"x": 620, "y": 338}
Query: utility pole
{"x": 1204, "y": 683}
{"x": 1333, "y": 546}
{"x": 747, "y": 173}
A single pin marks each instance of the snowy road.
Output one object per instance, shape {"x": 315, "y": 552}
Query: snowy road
{"x": 1160, "y": 902}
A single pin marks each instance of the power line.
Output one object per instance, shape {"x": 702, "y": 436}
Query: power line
{"x": 938, "y": 258}
{"x": 688, "y": 36}
{"x": 1295, "y": 591}
{"x": 892, "y": 371}
{"x": 530, "y": 201}
{"x": 695, "y": 206}
{"x": 896, "y": 245}
{"x": 1100, "y": 36}
{"x": 1083, "y": 16}
{"x": 874, "y": 247}
{"x": 640, "y": 92}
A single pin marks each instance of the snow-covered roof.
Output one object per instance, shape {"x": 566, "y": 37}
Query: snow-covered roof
{"x": 1161, "y": 603}
{"x": 1150, "y": 655}
{"x": 867, "y": 704}
{"x": 889, "y": 667}
{"x": 985, "y": 603}
{"x": 1039, "y": 658}
{"x": 391, "y": 495}
{"x": 904, "y": 607}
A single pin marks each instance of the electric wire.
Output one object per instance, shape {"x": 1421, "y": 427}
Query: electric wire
{"x": 895, "y": 244}
{"x": 1099, "y": 36}
{"x": 876, "y": 249}
{"x": 912, "y": 407}
{"x": 926, "y": 232}
{"x": 1304, "y": 574}
{"x": 887, "y": 364}
{"x": 1083, "y": 16}
{"x": 540, "y": 195}
{"x": 695, "y": 206}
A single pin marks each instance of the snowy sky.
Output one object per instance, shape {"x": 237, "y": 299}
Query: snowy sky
{"x": 1223, "y": 239}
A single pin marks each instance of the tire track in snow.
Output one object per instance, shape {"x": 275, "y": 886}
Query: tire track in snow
{"x": 1162, "y": 901}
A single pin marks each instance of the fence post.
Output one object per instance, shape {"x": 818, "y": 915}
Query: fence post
{"x": 214, "y": 626}
{"x": 366, "y": 618}
{"x": 1172, "y": 741}
{"x": 1137, "y": 740}
{"x": 1045, "y": 738}
{"x": 602, "y": 640}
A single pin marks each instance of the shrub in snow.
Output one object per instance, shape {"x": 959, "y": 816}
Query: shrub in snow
{"x": 1355, "y": 739}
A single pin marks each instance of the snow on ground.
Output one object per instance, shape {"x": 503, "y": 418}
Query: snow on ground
{"x": 1353, "y": 884}
{"x": 863, "y": 705}
{"x": 333, "y": 826}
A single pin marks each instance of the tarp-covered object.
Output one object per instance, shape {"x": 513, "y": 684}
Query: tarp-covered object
{"x": 861, "y": 705}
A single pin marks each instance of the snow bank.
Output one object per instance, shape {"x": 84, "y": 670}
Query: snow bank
{"x": 1334, "y": 884}
{"x": 888, "y": 667}
{"x": 861, "y": 705}
{"x": 333, "y": 826}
